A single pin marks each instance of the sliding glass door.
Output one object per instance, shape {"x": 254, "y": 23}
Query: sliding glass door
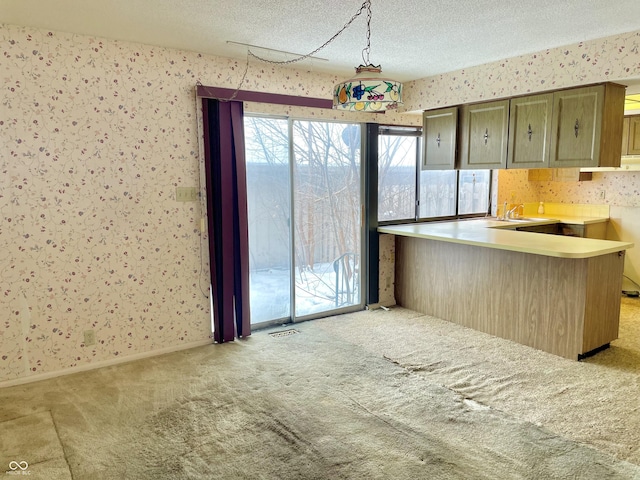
{"x": 269, "y": 213}
{"x": 327, "y": 209}
{"x": 305, "y": 217}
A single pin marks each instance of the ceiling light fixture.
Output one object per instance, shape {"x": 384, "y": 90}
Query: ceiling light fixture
{"x": 368, "y": 91}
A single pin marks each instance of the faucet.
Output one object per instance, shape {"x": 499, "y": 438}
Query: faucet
{"x": 512, "y": 212}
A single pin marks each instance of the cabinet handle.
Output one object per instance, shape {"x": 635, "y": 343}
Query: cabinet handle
{"x": 529, "y": 132}
{"x": 576, "y": 127}
{"x": 438, "y": 139}
{"x": 486, "y": 135}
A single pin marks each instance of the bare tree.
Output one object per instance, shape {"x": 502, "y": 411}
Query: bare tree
{"x": 327, "y": 208}
{"x": 396, "y": 177}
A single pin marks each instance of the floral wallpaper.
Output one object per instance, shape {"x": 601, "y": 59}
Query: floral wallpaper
{"x": 96, "y": 136}
{"x": 610, "y": 188}
{"x": 386, "y": 273}
{"x": 613, "y": 58}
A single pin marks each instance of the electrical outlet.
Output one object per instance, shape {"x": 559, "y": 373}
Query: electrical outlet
{"x": 186, "y": 194}
{"x": 89, "y": 337}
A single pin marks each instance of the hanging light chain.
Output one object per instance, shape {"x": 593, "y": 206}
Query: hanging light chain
{"x": 244, "y": 77}
{"x": 366, "y": 5}
{"x": 367, "y": 49}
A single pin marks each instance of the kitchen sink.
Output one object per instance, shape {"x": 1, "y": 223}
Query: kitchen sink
{"x": 526, "y": 219}
{"x": 549, "y": 228}
{"x": 529, "y": 224}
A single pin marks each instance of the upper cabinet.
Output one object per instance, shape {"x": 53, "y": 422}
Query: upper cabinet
{"x": 439, "y": 137}
{"x": 586, "y": 128}
{"x": 530, "y": 131}
{"x": 631, "y": 135}
{"x": 576, "y": 127}
{"x": 483, "y": 135}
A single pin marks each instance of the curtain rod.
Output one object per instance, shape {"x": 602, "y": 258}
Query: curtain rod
{"x": 262, "y": 97}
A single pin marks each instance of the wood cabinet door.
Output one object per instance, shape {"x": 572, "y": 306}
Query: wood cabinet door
{"x": 576, "y": 127}
{"x": 625, "y": 136}
{"x": 530, "y": 131}
{"x": 440, "y": 135}
{"x": 634, "y": 136}
{"x": 483, "y": 135}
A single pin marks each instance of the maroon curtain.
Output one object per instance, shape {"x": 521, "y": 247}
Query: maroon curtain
{"x": 225, "y": 170}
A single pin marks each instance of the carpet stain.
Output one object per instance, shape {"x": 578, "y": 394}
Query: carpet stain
{"x": 335, "y": 402}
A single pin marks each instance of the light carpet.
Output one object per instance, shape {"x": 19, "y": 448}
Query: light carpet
{"x": 595, "y": 401}
{"x": 34, "y": 437}
{"x": 370, "y": 395}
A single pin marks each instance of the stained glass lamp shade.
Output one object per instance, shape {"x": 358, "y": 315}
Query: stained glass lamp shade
{"x": 368, "y": 91}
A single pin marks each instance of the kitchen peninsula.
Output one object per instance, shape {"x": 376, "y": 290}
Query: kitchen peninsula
{"x": 555, "y": 293}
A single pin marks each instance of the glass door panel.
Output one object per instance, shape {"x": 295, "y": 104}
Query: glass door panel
{"x": 327, "y": 216}
{"x": 304, "y": 256}
{"x": 268, "y": 208}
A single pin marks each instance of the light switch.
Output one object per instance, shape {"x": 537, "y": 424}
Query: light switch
{"x": 186, "y": 194}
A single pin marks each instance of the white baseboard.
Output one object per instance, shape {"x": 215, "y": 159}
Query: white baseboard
{"x": 103, "y": 363}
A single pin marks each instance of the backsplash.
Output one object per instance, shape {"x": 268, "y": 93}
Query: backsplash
{"x": 567, "y": 210}
{"x": 608, "y": 188}
{"x": 618, "y": 191}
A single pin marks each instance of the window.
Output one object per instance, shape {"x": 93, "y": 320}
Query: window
{"x": 473, "y": 191}
{"x": 437, "y": 193}
{"x": 407, "y": 193}
{"x": 396, "y": 177}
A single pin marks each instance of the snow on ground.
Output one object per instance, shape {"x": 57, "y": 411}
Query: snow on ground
{"x": 315, "y": 292}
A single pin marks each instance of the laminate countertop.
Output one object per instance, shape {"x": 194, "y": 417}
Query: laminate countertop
{"x": 499, "y": 234}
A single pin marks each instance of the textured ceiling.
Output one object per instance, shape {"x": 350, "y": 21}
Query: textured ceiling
{"x": 409, "y": 38}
